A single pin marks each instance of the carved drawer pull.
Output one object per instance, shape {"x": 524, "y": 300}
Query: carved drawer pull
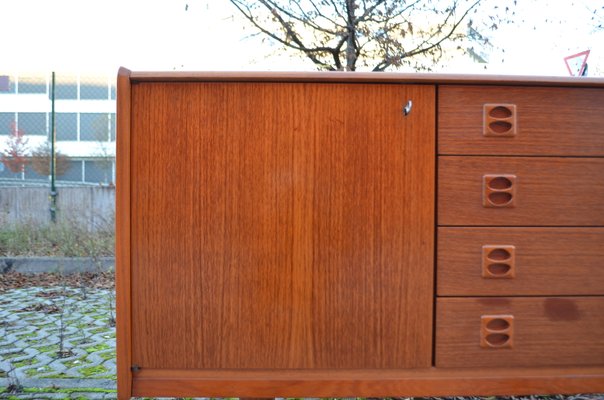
{"x": 498, "y": 261}
{"x": 497, "y": 331}
{"x": 499, "y": 120}
{"x": 499, "y": 191}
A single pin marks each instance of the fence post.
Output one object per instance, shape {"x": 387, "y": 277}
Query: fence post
{"x": 53, "y": 137}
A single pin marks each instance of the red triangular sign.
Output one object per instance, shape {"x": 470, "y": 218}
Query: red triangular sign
{"x": 577, "y": 63}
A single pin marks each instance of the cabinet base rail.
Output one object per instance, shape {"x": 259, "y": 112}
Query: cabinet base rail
{"x": 374, "y": 383}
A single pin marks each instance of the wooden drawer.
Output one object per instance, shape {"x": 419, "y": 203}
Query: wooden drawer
{"x": 525, "y": 191}
{"x": 520, "y": 121}
{"x": 519, "y": 332}
{"x": 520, "y": 261}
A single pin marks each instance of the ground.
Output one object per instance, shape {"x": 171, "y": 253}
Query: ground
{"x": 57, "y": 336}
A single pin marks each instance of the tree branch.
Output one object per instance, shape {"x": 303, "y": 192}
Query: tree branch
{"x": 304, "y": 19}
{"x": 337, "y": 10}
{"x": 387, "y": 62}
{"x": 297, "y": 43}
{"x": 321, "y": 14}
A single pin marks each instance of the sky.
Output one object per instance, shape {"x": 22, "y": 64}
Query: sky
{"x": 101, "y": 35}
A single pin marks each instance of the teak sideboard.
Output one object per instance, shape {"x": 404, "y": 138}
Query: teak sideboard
{"x": 359, "y": 234}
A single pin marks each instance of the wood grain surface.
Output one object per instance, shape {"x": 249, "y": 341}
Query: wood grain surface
{"x": 122, "y": 240}
{"x": 549, "y": 121}
{"x": 548, "y": 261}
{"x": 549, "y": 191}
{"x": 548, "y": 331}
{"x": 282, "y": 226}
{"x": 370, "y": 383}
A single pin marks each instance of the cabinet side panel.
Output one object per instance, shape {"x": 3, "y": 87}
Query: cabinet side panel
{"x": 122, "y": 239}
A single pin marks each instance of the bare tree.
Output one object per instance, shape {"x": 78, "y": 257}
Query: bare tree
{"x": 373, "y": 34}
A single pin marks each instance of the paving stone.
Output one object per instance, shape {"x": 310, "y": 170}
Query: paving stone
{"x": 30, "y": 322}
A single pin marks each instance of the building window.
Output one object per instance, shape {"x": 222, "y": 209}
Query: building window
{"x": 93, "y": 91}
{"x": 5, "y": 172}
{"x": 32, "y": 84}
{"x": 66, "y": 87}
{"x": 32, "y": 174}
{"x": 73, "y": 173}
{"x": 112, "y": 127}
{"x": 94, "y": 127}
{"x": 98, "y": 171}
{"x": 32, "y": 123}
{"x": 66, "y": 125}
{"x": 6, "y": 121}
{"x": 7, "y": 84}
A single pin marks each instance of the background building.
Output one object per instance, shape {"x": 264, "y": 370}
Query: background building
{"x": 85, "y": 123}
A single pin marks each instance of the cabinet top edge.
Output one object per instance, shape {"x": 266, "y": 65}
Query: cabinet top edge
{"x": 363, "y": 77}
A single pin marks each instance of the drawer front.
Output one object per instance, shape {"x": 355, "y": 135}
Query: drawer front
{"x": 524, "y": 191}
{"x": 520, "y": 261}
{"x": 519, "y": 332}
{"x": 520, "y": 121}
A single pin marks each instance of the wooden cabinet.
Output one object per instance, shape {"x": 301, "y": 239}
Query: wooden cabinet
{"x": 276, "y": 235}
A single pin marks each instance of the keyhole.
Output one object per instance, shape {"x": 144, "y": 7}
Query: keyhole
{"x": 407, "y": 108}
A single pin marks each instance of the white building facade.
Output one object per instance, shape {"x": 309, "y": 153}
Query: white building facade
{"x": 84, "y": 123}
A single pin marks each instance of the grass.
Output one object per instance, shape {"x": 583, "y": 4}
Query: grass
{"x": 98, "y": 347}
{"x": 63, "y": 239}
{"x": 73, "y": 363}
{"x": 80, "y": 342}
{"x": 90, "y": 371}
{"x": 14, "y": 354}
{"x": 107, "y": 355}
{"x": 37, "y": 371}
{"x": 48, "y": 348}
{"x": 60, "y": 375}
{"x": 27, "y": 335}
{"x": 32, "y": 341}
{"x": 23, "y": 363}
{"x": 98, "y": 330}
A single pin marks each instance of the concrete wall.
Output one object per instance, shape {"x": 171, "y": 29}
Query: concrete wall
{"x": 62, "y": 265}
{"x": 93, "y": 206}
